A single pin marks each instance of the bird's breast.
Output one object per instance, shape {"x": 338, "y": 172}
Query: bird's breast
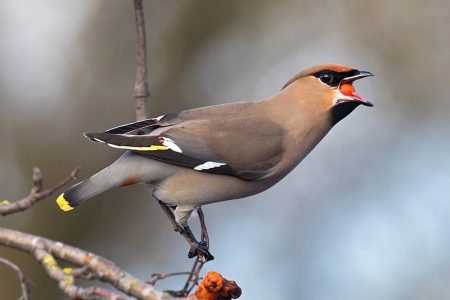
{"x": 297, "y": 145}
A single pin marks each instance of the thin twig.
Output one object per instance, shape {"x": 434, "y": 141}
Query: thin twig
{"x": 38, "y": 183}
{"x": 192, "y": 280}
{"x": 141, "y": 89}
{"x": 141, "y": 96}
{"x": 155, "y": 277}
{"x": 24, "y": 282}
{"x": 36, "y": 193}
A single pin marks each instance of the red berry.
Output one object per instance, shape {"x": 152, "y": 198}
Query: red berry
{"x": 347, "y": 89}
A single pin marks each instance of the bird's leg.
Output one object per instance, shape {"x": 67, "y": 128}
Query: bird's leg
{"x": 199, "y": 249}
{"x": 204, "y": 235}
{"x": 179, "y": 219}
{"x": 169, "y": 213}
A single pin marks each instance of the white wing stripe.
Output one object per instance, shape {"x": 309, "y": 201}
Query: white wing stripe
{"x": 132, "y": 148}
{"x": 208, "y": 165}
{"x": 171, "y": 144}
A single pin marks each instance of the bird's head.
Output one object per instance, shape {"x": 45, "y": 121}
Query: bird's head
{"x": 330, "y": 87}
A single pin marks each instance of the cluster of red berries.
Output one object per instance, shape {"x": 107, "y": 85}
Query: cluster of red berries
{"x": 215, "y": 287}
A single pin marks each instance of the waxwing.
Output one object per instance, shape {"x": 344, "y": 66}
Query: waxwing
{"x": 223, "y": 152}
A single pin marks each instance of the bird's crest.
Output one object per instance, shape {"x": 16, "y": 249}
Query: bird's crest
{"x": 315, "y": 69}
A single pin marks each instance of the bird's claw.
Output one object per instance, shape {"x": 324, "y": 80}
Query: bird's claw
{"x": 200, "y": 249}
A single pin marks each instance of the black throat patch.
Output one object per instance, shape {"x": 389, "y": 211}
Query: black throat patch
{"x": 340, "y": 111}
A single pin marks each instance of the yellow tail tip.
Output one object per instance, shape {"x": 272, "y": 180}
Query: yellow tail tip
{"x": 63, "y": 204}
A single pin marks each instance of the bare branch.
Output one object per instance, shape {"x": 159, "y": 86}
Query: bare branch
{"x": 191, "y": 281}
{"x": 24, "y": 283}
{"x": 38, "y": 185}
{"x": 155, "y": 277}
{"x": 36, "y": 193}
{"x": 193, "y": 278}
{"x": 85, "y": 265}
{"x": 65, "y": 279}
{"x": 47, "y": 252}
{"x": 141, "y": 90}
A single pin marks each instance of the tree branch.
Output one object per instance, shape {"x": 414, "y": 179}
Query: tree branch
{"x": 47, "y": 252}
{"x": 85, "y": 265}
{"x": 36, "y": 193}
{"x": 141, "y": 90}
{"x": 141, "y": 96}
{"x": 24, "y": 283}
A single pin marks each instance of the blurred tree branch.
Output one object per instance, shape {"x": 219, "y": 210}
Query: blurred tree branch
{"x": 24, "y": 283}
{"x": 81, "y": 264}
{"x": 141, "y": 90}
{"x": 141, "y": 96}
{"x": 48, "y": 253}
{"x": 36, "y": 193}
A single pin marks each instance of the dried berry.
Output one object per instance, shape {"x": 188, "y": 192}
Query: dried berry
{"x": 213, "y": 281}
{"x": 202, "y": 293}
{"x": 230, "y": 289}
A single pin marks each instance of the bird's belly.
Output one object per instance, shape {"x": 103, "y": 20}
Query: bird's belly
{"x": 190, "y": 187}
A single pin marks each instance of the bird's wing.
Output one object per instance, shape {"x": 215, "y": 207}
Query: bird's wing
{"x": 248, "y": 148}
{"x": 146, "y": 125}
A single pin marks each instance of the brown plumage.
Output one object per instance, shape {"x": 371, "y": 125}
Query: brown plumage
{"x": 224, "y": 152}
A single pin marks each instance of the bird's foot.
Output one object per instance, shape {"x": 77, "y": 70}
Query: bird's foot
{"x": 200, "y": 249}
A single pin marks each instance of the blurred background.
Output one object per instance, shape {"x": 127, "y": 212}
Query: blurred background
{"x": 365, "y": 216}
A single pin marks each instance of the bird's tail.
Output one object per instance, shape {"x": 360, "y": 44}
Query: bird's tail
{"x": 130, "y": 168}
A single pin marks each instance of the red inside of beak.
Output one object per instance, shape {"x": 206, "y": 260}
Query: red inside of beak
{"x": 348, "y": 89}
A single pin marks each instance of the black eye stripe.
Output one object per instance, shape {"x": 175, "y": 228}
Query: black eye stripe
{"x": 336, "y": 77}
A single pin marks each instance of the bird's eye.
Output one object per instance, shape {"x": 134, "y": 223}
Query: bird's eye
{"x": 326, "y": 78}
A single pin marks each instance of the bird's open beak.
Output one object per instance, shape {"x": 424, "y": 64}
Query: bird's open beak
{"x": 347, "y": 91}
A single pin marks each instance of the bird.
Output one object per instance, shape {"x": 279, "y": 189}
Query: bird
{"x": 223, "y": 152}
